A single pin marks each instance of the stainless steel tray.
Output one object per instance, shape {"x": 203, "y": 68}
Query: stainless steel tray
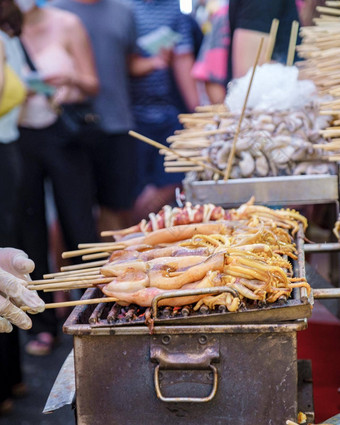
{"x": 287, "y": 190}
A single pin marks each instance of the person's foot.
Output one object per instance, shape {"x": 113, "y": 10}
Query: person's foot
{"x": 19, "y": 390}
{"x": 6, "y": 407}
{"x": 41, "y": 345}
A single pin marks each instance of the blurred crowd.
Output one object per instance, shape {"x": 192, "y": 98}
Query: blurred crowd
{"x": 84, "y": 73}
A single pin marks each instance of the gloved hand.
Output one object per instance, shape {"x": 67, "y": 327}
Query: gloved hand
{"x": 15, "y": 267}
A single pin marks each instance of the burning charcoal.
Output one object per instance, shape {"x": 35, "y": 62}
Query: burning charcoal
{"x": 204, "y": 309}
{"x": 149, "y": 321}
{"x": 222, "y": 308}
{"x": 176, "y": 311}
{"x": 167, "y": 312}
{"x": 259, "y": 304}
{"x": 282, "y": 300}
{"x": 130, "y": 314}
{"x": 113, "y": 313}
{"x": 96, "y": 314}
{"x": 186, "y": 310}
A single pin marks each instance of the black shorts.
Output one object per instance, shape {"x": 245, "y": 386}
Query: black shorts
{"x": 113, "y": 157}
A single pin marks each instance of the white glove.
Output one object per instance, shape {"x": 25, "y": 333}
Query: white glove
{"x": 15, "y": 267}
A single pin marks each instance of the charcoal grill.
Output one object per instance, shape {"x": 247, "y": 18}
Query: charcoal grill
{"x": 184, "y": 374}
{"x": 176, "y": 366}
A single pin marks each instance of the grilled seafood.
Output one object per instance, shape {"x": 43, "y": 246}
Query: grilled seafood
{"x": 248, "y": 257}
{"x": 169, "y": 217}
{"x": 269, "y": 144}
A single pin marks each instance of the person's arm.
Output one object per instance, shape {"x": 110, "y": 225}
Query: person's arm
{"x": 15, "y": 267}
{"x": 216, "y": 92}
{"x": 78, "y": 44}
{"x": 140, "y": 66}
{"x": 182, "y": 65}
{"x": 245, "y": 46}
{"x": 211, "y": 64}
{"x": 249, "y": 21}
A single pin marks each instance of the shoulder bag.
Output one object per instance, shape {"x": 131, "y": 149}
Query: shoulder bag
{"x": 13, "y": 92}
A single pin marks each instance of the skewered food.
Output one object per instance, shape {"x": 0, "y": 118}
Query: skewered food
{"x": 244, "y": 260}
{"x": 247, "y": 253}
{"x": 169, "y": 217}
{"x": 281, "y": 132}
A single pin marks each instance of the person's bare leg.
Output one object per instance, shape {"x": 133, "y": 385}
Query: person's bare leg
{"x": 113, "y": 220}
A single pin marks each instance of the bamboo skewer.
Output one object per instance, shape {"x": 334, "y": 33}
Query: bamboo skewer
{"x": 114, "y": 246}
{"x": 80, "y": 272}
{"x": 63, "y": 279}
{"x": 238, "y": 129}
{"x": 292, "y": 43}
{"x": 272, "y": 38}
{"x": 75, "y": 303}
{"x": 95, "y": 256}
{"x": 193, "y": 135}
{"x": 160, "y": 146}
{"x": 328, "y": 10}
{"x": 65, "y": 285}
{"x": 182, "y": 169}
{"x": 82, "y": 266}
{"x": 83, "y": 286}
{"x": 95, "y": 245}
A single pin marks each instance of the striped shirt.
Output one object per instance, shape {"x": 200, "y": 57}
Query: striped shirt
{"x": 157, "y": 91}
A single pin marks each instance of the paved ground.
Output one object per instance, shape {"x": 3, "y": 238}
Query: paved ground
{"x": 40, "y": 374}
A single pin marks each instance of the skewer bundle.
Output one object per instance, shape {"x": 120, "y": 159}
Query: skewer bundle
{"x": 320, "y": 49}
{"x": 269, "y": 144}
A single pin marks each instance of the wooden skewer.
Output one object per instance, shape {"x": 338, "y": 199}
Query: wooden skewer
{"x": 67, "y": 287}
{"x": 114, "y": 246}
{"x": 197, "y": 134}
{"x": 73, "y": 273}
{"x": 70, "y": 284}
{"x": 183, "y": 169}
{"x": 328, "y": 10}
{"x": 82, "y": 266}
{"x": 95, "y": 256}
{"x": 212, "y": 108}
{"x": 328, "y": 147}
{"x": 179, "y": 164}
{"x": 35, "y": 283}
{"x": 333, "y": 3}
{"x": 160, "y": 146}
{"x": 292, "y": 43}
{"x": 324, "y": 22}
{"x": 272, "y": 38}
{"x": 71, "y": 288}
{"x": 238, "y": 129}
{"x": 94, "y": 245}
{"x": 74, "y": 303}
{"x": 330, "y": 112}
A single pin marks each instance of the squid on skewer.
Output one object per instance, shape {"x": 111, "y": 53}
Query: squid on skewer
{"x": 169, "y": 217}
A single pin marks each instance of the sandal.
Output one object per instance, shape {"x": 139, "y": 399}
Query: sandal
{"x": 42, "y": 345}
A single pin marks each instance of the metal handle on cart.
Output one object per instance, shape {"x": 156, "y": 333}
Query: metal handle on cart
{"x": 189, "y": 292}
{"x": 186, "y": 399}
{"x": 326, "y": 293}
